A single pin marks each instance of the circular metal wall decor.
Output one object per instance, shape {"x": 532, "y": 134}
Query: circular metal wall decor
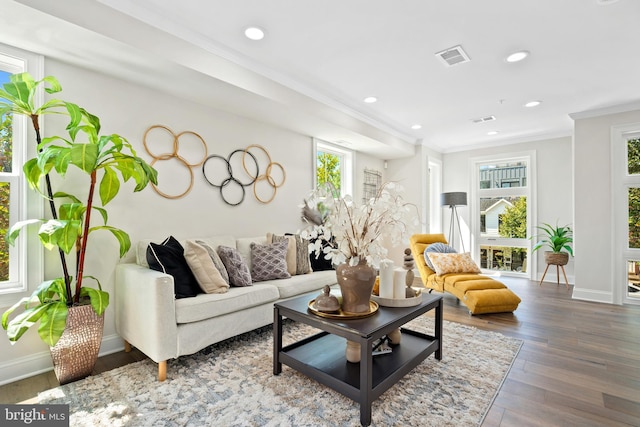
{"x": 249, "y": 177}
{"x": 174, "y": 155}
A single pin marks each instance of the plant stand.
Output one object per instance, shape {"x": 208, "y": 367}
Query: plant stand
{"x": 559, "y": 260}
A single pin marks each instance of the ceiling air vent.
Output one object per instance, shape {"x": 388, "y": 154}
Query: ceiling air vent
{"x": 484, "y": 119}
{"x": 453, "y": 56}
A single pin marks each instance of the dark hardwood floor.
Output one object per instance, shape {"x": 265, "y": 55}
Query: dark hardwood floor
{"x": 579, "y": 365}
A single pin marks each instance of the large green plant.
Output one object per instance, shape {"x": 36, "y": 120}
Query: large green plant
{"x": 107, "y": 158}
{"x": 557, "y": 239}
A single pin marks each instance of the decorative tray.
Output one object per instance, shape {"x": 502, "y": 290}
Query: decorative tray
{"x": 399, "y": 302}
{"x": 339, "y": 314}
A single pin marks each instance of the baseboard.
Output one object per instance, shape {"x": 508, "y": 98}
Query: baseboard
{"x": 40, "y": 362}
{"x": 593, "y": 296}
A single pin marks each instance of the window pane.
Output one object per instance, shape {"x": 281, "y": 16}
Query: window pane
{"x": 4, "y": 226}
{"x": 504, "y": 217}
{"x": 6, "y": 133}
{"x": 503, "y": 175}
{"x": 633, "y": 156}
{"x": 329, "y": 169}
{"x": 633, "y": 274}
{"x": 503, "y": 258}
{"x": 634, "y": 217}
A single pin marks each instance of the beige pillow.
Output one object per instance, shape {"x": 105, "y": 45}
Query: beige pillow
{"x": 291, "y": 250}
{"x": 446, "y": 263}
{"x": 202, "y": 266}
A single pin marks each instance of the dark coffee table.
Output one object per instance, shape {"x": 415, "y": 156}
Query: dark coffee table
{"x": 322, "y": 356}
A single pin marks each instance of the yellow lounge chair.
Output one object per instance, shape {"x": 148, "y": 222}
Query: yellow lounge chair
{"x": 481, "y": 294}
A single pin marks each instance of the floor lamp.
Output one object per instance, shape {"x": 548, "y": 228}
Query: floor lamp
{"x": 458, "y": 198}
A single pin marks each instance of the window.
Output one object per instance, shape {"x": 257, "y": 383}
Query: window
{"x": 626, "y": 199}
{"x": 19, "y": 273}
{"x": 501, "y": 213}
{"x": 334, "y": 165}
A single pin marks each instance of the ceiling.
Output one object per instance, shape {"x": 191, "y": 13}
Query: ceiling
{"x": 320, "y": 59}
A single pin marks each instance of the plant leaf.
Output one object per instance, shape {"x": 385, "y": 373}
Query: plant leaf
{"x": 120, "y": 235}
{"x": 109, "y": 185}
{"x": 99, "y": 299}
{"x": 84, "y": 156}
{"x": 53, "y": 322}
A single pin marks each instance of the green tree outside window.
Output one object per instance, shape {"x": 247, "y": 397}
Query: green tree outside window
{"x": 328, "y": 169}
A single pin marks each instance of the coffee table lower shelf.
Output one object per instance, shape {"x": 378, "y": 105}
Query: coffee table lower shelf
{"x": 322, "y": 357}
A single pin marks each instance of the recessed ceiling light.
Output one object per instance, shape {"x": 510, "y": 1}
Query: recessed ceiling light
{"x": 533, "y": 103}
{"x": 492, "y": 132}
{"x": 254, "y": 33}
{"x": 416, "y": 127}
{"x": 370, "y": 99}
{"x": 517, "y": 56}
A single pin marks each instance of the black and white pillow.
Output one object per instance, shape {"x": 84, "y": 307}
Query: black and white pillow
{"x": 236, "y": 266}
{"x": 269, "y": 262}
{"x": 168, "y": 257}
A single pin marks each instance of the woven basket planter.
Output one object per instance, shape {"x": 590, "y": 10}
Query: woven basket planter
{"x": 556, "y": 258}
{"x": 76, "y": 352}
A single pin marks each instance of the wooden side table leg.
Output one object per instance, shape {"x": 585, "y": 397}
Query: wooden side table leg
{"x": 543, "y": 274}
{"x": 558, "y": 273}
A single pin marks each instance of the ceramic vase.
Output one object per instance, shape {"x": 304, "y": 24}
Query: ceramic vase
{"x": 356, "y": 284}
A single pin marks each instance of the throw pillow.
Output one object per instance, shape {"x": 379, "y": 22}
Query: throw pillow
{"x": 203, "y": 268}
{"x": 239, "y": 274}
{"x": 291, "y": 250}
{"x": 269, "y": 261}
{"x": 216, "y": 260}
{"x": 442, "y": 248}
{"x": 303, "y": 266}
{"x": 168, "y": 257}
{"x": 446, "y": 263}
{"x": 318, "y": 261}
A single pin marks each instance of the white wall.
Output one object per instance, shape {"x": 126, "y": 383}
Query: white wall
{"x": 554, "y": 187}
{"x": 128, "y": 110}
{"x": 594, "y": 223}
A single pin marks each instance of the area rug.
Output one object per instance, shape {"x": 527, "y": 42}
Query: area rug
{"x": 232, "y": 384}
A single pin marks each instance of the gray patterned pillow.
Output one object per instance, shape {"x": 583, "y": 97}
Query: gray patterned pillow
{"x": 269, "y": 262}
{"x": 216, "y": 260}
{"x": 239, "y": 274}
{"x": 439, "y": 248}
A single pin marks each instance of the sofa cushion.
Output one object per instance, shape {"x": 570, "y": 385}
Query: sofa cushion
{"x": 446, "y": 263}
{"x": 243, "y": 245}
{"x": 441, "y": 248}
{"x": 206, "y": 306}
{"x": 214, "y": 242}
{"x": 269, "y": 262}
{"x": 236, "y": 265}
{"x": 291, "y": 250}
{"x": 203, "y": 268}
{"x": 168, "y": 257}
{"x": 303, "y": 265}
{"x": 301, "y": 284}
{"x": 216, "y": 259}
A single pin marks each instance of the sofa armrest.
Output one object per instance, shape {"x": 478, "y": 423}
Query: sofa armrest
{"x": 145, "y": 311}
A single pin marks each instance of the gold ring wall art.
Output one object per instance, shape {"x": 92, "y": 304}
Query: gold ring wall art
{"x": 174, "y": 154}
{"x": 249, "y": 175}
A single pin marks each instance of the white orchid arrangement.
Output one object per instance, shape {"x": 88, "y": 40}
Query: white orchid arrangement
{"x": 349, "y": 232}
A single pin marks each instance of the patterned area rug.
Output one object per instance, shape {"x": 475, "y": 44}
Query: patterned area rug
{"x": 231, "y": 384}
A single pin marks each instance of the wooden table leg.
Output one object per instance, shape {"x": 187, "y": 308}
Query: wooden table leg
{"x": 277, "y": 341}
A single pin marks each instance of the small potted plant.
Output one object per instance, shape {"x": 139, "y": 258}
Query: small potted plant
{"x": 558, "y": 240}
{"x": 63, "y": 306}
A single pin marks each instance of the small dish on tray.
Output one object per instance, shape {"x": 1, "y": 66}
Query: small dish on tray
{"x": 339, "y": 314}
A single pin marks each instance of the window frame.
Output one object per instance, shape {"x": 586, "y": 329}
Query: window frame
{"x": 346, "y": 165}
{"x": 26, "y": 256}
{"x": 621, "y": 182}
{"x": 528, "y": 190}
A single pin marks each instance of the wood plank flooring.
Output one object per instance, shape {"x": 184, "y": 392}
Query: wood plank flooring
{"x": 579, "y": 365}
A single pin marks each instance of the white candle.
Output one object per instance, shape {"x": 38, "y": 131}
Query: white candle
{"x": 399, "y": 283}
{"x": 386, "y": 279}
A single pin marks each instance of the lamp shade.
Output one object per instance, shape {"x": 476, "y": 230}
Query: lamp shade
{"x": 456, "y": 198}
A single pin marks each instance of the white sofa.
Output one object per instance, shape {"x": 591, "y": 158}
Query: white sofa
{"x": 149, "y": 317}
